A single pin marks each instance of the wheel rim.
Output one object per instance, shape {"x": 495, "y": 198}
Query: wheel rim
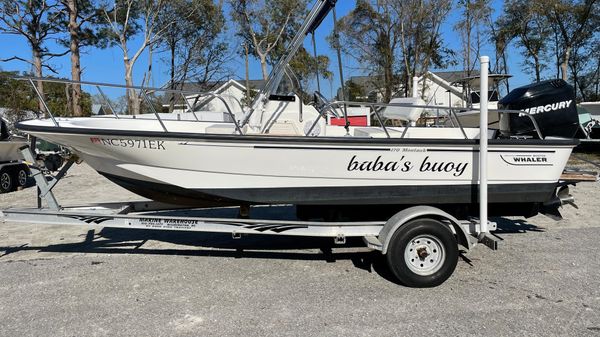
{"x": 424, "y": 255}
{"x": 22, "y": 178}
{"x": 5, "y": 181}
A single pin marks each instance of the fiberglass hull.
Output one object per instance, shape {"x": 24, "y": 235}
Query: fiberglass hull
{"x": 201, "y": 169}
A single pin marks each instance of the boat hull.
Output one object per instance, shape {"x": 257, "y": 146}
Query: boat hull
{"x": 9, "y": 151}
{"x": 225, "y": 169}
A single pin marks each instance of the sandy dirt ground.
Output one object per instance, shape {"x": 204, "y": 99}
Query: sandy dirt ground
{"x": 80, "y": 281}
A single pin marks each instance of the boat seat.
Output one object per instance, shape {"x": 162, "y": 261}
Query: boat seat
{"x": 284, "y": 128}
{"x": 422, "y": 132}
{"x": 221, "y": 128}
{"x": 376, "y": 132}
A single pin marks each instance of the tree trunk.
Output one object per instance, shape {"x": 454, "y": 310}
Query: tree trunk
{"x": 37, "y": 68}
{"x": 468, "y": 33}
{"x": 133, "y": 104}
{"x": 388, "y": 71}
{"x": 505, "y": 64}
{"x": 536, "y": 61}
{"x": 248, "y": 94}
{"x": 565, "y": 63}
{"x": 577, "y": 86}
{"x": 263, "y": 66}
{"x": 75, "y": 58}
{"x": 172, "y": 86}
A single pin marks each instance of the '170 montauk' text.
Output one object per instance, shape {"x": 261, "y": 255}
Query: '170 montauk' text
{"x": 403, "y": 165}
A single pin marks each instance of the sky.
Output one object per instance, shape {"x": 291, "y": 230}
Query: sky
{"x": 106, "y": 65}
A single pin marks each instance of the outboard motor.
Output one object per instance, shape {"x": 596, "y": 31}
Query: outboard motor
{"x": 551, "y": 103}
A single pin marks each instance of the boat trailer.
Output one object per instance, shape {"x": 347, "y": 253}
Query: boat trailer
{"x": 420, "y": 243}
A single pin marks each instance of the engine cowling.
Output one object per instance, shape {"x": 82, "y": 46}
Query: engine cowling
{"x": 551, "y": 103}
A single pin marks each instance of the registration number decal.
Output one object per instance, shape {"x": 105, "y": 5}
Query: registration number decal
{"x": 131, "y": 143}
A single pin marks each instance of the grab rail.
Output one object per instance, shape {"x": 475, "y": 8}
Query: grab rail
{"x": 143, "y": 94}
{"x": 331, "y": 106}
{"x": 325, "y": 108}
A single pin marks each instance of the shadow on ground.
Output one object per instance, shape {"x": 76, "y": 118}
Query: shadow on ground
{"x": 520, "y": 226}
{"x": 132, "y": 241}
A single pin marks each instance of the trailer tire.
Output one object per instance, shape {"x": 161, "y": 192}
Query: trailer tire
{"x": 22, "y": 176}
{"x": 422, "y": 253}
{"x": 7, "y": 180}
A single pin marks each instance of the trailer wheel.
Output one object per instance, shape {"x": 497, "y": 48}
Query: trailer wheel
{"x": 7, "y": 181}
{"x": 22, "y": 176}
{"x": 422, "y": 253}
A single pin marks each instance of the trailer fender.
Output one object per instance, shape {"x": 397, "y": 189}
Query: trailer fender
{"x": 406, "y": 215}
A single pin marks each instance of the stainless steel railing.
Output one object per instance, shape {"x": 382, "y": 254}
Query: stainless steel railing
{"x": 324, "y": 107}
{"x": 143, "y": 94}
{"x": 377, "y": 107}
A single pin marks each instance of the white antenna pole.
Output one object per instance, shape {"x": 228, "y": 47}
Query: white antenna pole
{"x": 483, "y": 146}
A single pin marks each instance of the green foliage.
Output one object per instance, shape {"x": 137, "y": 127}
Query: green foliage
{"x": 523, "y": 23}
{"x": 193, "y": 39}
{"x": 92, "y": 27}
{"x": 474, "y": 16}
{"x": 395, "y": 40}
{"x": 306, "y": 67}
{"x": 271, "y": 23}
{"x": 265, "y": 26}
{"x": 356, "y": 93}
{"x": 19, "y": 97}
{"x": 37, "y": 22}
{"x": 120, "y": 16}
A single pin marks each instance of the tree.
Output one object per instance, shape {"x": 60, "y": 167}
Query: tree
{"x": 265, "y": 25}
{"x": 371, "y": 34}
{"x": 575, "y": 21}
{"x": 523, "y": 22}
{"x": 85, "y": 29}
{"x": 306, "y": 67}
{"x": 420, "y": 37}
{"x": 501, "y": 38}
{"x": 381, "y": 33}
{"x": 471, "y": 29}
{"x": 584, "y": 69}
{"x": 193, "y": 41}
{"x": 19, "y": 97}
{"x": 356, "y": 92}
{"x": 16, "y": 96}
{"x": 37, "y": 21}
{"x": 125, "y": 19}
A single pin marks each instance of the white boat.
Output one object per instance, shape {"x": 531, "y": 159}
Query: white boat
{"x": 9, "y": 148}
{"x": 469, "y": 117}
{"x": 592, "y": 107}
{"x": 283, "y": 152}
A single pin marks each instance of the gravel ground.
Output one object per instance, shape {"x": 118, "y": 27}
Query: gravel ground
{"x": 66, "y": 281}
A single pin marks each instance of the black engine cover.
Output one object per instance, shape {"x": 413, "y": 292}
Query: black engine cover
{"x": 551, "y": 103}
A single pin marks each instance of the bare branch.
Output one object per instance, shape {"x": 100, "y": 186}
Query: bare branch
{"x": 16, "y": 58}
